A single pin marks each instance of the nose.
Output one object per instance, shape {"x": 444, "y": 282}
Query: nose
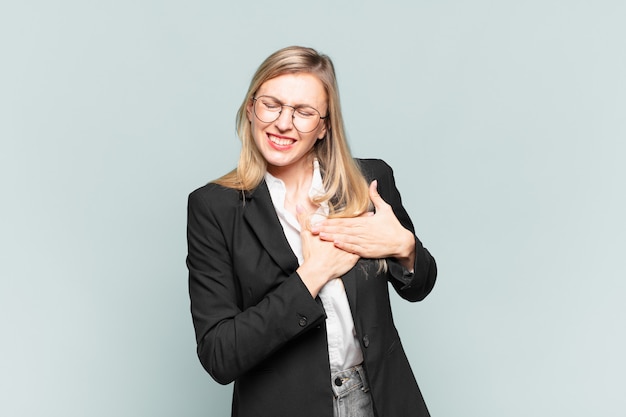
{"x": 285, "y": 118}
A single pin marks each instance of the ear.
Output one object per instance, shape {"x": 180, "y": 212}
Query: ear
{"x": 249, "y": 110}
{"x": 323, "y": 132}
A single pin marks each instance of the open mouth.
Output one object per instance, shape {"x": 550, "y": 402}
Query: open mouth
{"x": 281, "y": 141}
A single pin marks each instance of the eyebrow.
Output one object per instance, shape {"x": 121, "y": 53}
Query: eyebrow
{"x": 282, "y": 102}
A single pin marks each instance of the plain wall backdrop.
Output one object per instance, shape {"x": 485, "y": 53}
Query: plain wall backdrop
{"x": 503, "y": 120}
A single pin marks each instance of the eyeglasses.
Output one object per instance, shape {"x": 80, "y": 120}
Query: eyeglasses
{"x": 305, "y": 118}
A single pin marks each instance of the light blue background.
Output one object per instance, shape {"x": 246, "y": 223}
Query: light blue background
{"x": 504, "y": 121}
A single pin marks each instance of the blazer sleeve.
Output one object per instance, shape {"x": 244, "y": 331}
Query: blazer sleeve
{"x": 416, "y": 285}
{"x": 232, "y": 340}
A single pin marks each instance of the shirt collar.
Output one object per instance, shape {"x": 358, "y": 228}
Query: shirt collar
{"x": 277, "y": 189}
{"x": 317, "y": 184}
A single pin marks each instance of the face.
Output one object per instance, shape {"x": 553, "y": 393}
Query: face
{"x": 283, "y": 147}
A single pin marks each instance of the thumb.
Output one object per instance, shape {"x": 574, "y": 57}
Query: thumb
{"x": 303, "y": 217}
{"x": 377, "y": 200}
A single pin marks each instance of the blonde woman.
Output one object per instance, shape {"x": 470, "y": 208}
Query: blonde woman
{"x": 290, "y": 256}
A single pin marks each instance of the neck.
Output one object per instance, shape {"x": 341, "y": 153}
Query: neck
{"x": 295, "y": 176}
{"x": 297, "y": 179}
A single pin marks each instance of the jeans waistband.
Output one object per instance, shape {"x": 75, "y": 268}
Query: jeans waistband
{"x": 343, "y": 382}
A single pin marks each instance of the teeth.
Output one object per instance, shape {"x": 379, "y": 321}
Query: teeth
{"x": 281, "y": 141}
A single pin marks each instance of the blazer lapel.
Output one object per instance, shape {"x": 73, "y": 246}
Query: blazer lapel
{"x": 349, "y": 282}
{"x": 261, "y": 216}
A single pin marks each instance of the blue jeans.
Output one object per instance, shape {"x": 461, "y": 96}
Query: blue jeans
{"x": 351, "y": 391}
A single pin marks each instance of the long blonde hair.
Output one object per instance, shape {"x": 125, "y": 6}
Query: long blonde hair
{"x": 346, "y": 188}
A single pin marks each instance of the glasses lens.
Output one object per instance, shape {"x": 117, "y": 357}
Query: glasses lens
{"x": 305, "y": 119}
{"x": 268, "y": 109}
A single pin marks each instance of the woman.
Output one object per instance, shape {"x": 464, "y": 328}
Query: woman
{"x": 290, "y": 256}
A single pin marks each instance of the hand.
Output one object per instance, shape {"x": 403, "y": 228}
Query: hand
{"x": 371, "y": 235}
{"x": 323, "y": 261}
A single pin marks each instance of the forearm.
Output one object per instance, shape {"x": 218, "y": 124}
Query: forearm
{"x": 244, "y": 307}
{"x": 405, "y": 252}
{"x": 414, "y": 283}
{"x": 231, "y": 341}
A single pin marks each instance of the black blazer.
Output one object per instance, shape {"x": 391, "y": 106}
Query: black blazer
{"x": 257, "y": 324}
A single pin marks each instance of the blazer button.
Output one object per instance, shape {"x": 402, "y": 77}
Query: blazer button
{"x": 302, "y": 322}
{"x": 366, "y": 341}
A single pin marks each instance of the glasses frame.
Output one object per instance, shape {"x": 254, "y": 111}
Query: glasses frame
{"x": 293, "y": 113}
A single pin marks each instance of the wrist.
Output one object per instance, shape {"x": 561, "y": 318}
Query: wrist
{"x": 313, "y": 279}
{"x": 406, "y": 250}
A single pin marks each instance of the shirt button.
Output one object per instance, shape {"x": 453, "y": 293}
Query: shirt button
{"x": 338, "y": 382}
{"x": 302, "y": 322}
{"x": 366, "y": 341}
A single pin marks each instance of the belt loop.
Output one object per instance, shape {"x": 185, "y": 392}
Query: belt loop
{"x": 363, "y": 375}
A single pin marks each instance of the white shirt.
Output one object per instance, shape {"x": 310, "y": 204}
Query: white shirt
{"x": 344, "y": 350}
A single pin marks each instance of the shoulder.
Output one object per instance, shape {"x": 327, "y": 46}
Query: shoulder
{"x": 216, "y": 197}
{"x": 374, "y": 169}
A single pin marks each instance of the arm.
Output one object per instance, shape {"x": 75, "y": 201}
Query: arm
{"x": 415, "y": 285}
{"x": 387, "y": 233}
{"x": 232, "y": 339}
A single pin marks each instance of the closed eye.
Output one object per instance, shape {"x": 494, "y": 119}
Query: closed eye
{"x": 271, "y": 105}
{"x": 306, "y": 112}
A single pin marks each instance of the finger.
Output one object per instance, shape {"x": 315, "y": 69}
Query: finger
{"x": 336, "y": 237}
{"x": 346, "y": 239}
{"x": 303, "y": 217}
{"x": 351, "y": 248}
{"x": 332, "y": 225}
{"x": 327, "y": 237}
{"x": 378, "y": 201}
{"x": 344, "y": 222}
{"x": 330, "y": 232}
